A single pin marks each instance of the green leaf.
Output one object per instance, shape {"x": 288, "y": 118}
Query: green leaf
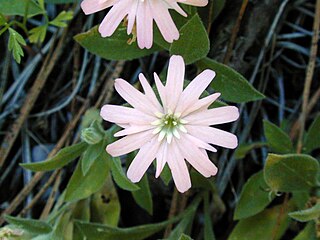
{"x": 277, "y": 139}
{"x": 61, "y": 1}
{"x": 90, "y": 155}
{"x": 80, "y": 187}
{"x": 245, "y": 148}
{"x": 90, "y": 116}
{"x": 29, "y": 225}
{"x": 308, "y": 233}
{"x": 63, "y": 228}
{"x": 231, "y": 84}
{"x": 262, "y": 226}
{"x": 120, "y": 178}
{"x": 313, "y": 137}
{"x": 18, "y": 7}
{"x": 165, "y": 175}
{"x": 184, "y": 237}
{"x": 291, "y": 172}
{"x": 208, "y": 230}
{"x": 3, "y": 20}
{"x": 254, "y": 197}
{"x": 60, "y": 20}
{"x": 193, "y": 36}
{"x": 14, "y": 45}
{"x": 114, "y": 47}
{"x": 38, "y": 34}
{"x": 62, "y": 158}
{"x": 105, "y": 206}
{"x": 143, "y": 196}
{"x": 306, "y": 215}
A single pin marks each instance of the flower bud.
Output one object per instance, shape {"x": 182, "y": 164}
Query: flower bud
{"x": 91, "y": 135}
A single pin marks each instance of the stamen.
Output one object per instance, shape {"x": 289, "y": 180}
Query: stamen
{"x": 159, "y": 114}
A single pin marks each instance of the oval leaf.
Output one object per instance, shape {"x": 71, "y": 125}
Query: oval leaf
{"x": 29, "y": 225}
{"x": 291, "y": 172}
{"x": 143, "y": 196}
{"x": 231, "y": 84}
{"x": 18, "y": 7}
{"x": 313, "y": 137}
{"x": 307, "y": 214}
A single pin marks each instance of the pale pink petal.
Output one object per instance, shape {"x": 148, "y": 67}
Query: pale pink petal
{"x": 129, "y": 143}
{"x": 123, "y": 115}
{"x": 201, "y": 104}
{"x": 199, "y": 143}
{"x": 135, "y": 98}
{"x": 114, "y": 17}
{"x": 161, "y": 158}
{"x": 92, "y": 6}
{"x": 174, "y": 5}
{"x": 164, "y": 21}
{"x": 194, "y": 90}
{"x": 213, "y": 116}
{"x": 175, "y": 80}
{"x": 144, "y": 25}
{"x": 132, "y": 16}
{"x": 143, "y": 159}
{"x": 161, "y": 89}
{"x": 150, "y": 93}
{"x": 198, "y": 3}
{"x": 179, "y": 169}
{"x": 196, "y": 158}
{"x": 133, "y": 129}
{"x": 213, "y": 136}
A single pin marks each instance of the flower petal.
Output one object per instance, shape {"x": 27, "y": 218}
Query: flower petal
{"x": 194, "y": 90}
{"x": 213, "y": 136}
{"x": 114, "y": 17}
{"x": 92, "y": 6}
{"x": 143, "y": 159}
{"x": 200, "y": 143}
{"x": 123, "y": 115}
{"x": 175, "y": 79}
{"x": 135, "y": 98}
{"x": 179, "y": 169}
{"x": 144, "y": 25}
{"x": 149, "y": 92}
{"x": 196, "y": 158}
{"x": 164, "y": 21}
{"x": 129, "y": 143}
{"x": 132, "y": 16}
{"x": 161, "y": 158}
{"x": 133, "y": 129}
{"x": 213, "y": 116}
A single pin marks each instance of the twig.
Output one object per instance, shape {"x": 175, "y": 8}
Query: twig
{"x": 40, "y": 193}
{"x": 172, "y": 211}
{"x": 235, "y": 31}
{"x": 52, "y": 197}
{"x": 280, "y": 216}
{"x": 210, "y": 17}
{"x": 309, "y": 74}
{"x": 31, "y": 98}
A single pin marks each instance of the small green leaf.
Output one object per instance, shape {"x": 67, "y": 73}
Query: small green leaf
{"x": 114, "y": 47}
{"x": 254, "y": 197}
{"x": 277, "y": 139}
{"x": 308, "y": 233}
{"x": 3, "y": 20}
{"x": 231, "y": 84}
{"x": 119, "y": 176}
{"x": 243, "y": 149}
{"x": 80, "y": 187}
{"x": 143, "y": 196}
{"x": 61, "y": 1}
{"x": 14, "y": 45}
{"x": 18, "y": 7}
{"x": 62, "y": 158}
{"x": 29, "y": 225}
{"x": 313, "y": 137}
{"x": 262, "y": 225}
{"x": 184, "y": 237}
{"x": 61, "y": 19}
{"x": 38, "y": 34}
{"x": 165, "y": 175}
{"x": 291, "y": 172}
{"x": 306, "y": 215}
{"x": 105, "y": 206}
{"x": 193, "y": 36}
{"x": 90, "y": 155}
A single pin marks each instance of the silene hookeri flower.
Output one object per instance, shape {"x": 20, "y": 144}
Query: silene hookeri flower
{"x": 176, "y": 129}
{"x": 140, "y": 13}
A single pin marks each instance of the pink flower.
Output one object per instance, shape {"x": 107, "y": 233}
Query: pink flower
{"x": 142, "y": 13}
{"x": 175, "y": 130}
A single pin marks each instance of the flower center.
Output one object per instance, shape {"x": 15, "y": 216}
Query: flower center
{"x": 168, "y": 126}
